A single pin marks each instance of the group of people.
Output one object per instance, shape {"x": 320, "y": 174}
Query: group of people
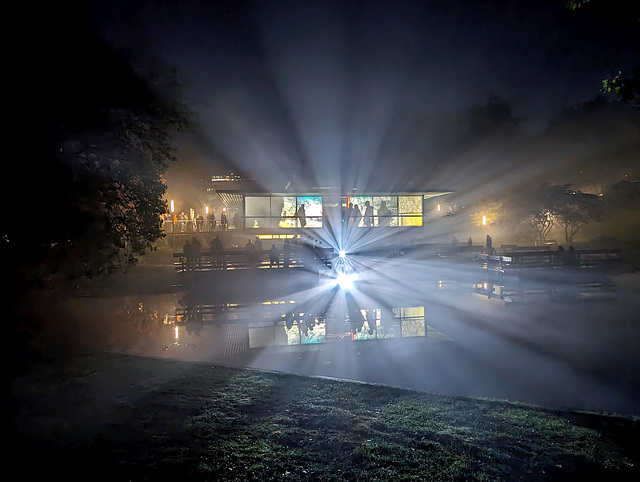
{"x": 192, "y": 253}
{"x": 212, "y": 222}
{"x": 567, "y": 258}
{"x": 354, "y": 216}
{"x": 182, "y": 223}
{"x": 310, "y": 250}
{"x": 310, "y": 253}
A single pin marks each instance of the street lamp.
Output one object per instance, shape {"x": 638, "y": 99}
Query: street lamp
{"x": 173, "y": 224}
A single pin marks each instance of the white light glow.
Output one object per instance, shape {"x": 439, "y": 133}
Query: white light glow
{"x": 345, "y": 281}
{"x": 342, "y": 253}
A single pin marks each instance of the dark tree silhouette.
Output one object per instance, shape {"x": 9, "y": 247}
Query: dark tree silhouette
{"x": 90, "y": 176}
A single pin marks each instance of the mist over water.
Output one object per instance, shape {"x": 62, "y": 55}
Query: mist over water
{"x": 566, "y": 353}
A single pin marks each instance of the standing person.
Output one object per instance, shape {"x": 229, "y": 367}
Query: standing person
{"x": 211, "y": 220}
{"x": 199, "y": 222}
{"x": 187, "y": 253}
{"x": 183, "y": 222}
{"x": 350, "y": 215}
{"x": 216, "y": 251}
{"x": 250, "y": 249}
{"x": 489, "y": 245}
{"x": 302, "y": 216}
{"x": 274, "y": 256}
{"x": 224, "y": 223}
{"x": 357, "y": 215}
{"x": 368, "y": 215}
{"x": 384, "y": 214}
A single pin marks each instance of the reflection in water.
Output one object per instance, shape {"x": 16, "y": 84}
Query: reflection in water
{"x": 296, "y": 322}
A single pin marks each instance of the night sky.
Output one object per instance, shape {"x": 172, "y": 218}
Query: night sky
{"x": 281, "y": 87}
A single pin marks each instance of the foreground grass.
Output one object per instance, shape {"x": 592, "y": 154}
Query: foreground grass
{"x": 127, "y": 418}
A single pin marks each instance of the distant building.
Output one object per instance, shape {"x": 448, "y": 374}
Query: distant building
{"x": 278, "y": 215}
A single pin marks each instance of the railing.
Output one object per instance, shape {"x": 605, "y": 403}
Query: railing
{"x": 188, "y": 226}
{"x": 286, "y": 222}
{"x": 230, "y": 259}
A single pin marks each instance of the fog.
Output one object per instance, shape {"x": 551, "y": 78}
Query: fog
{"x": 482, "y": 99}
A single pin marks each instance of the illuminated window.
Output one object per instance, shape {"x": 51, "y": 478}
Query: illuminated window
{"x": 312, "y": 209}
{"x": 410, "y": 210}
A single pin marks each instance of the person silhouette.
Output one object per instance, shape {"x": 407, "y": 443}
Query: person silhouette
{"x": 368, "y": 215}
{"x": 302, "y": 216}
{"x": 187, "y": 252}
{"x": 216, "y": 251}
{"x": 357, "y": 215}
{"x": 196, "y": 248}
{"x": 250, "y": 250}
{"x": 351, "y": 215}
{"x": 384, "y": 214}
{"x": 274, "y": 256}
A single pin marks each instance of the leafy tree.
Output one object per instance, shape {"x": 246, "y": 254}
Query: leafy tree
{"x": 548, "y": 206}
{"x": 624, "y": 86}
{"x": 577, "y": 209}
{"x": 92, "y": 172}
{"x": 540, "y": 207}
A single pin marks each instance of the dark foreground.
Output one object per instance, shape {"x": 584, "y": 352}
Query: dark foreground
{"x": 120, "y": 417}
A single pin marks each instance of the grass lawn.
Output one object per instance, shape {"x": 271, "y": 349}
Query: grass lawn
{"x": 119, "y": 417}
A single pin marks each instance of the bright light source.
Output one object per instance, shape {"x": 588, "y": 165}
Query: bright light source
{"x": 484, "y": 220}
{"x": 345, "y": 281}
{"x": 342, "y": 253}
{"x": 172, "y": 206}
